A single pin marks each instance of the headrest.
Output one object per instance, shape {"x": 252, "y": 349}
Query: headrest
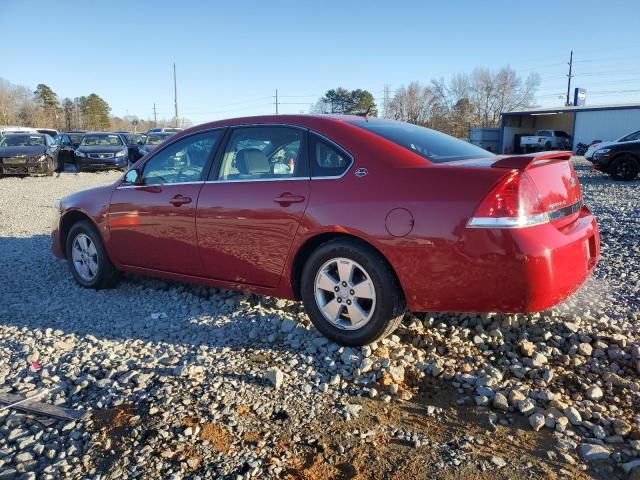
{"x": 250, "y": 161}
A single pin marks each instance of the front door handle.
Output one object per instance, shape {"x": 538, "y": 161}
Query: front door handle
{"x": 179, "y": 200}
{"x": 287, "y": 199}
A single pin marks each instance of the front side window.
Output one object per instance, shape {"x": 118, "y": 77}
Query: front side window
{"x": 183, "y": 161}
{"x": 262, "y": 153}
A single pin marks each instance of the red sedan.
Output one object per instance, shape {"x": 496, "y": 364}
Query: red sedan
{"x": 359, "y": 218}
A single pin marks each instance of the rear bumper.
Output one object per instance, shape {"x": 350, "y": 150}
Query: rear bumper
{"x": 508, "y": 270}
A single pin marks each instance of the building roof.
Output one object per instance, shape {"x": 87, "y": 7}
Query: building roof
{"x": 581, "y": 108}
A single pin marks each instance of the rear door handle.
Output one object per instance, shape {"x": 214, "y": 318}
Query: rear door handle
{"x": 287, "y": 199}
{"x": 179, "y": 200}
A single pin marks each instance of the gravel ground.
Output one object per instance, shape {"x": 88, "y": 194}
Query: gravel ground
{"x": 181, "y": 381}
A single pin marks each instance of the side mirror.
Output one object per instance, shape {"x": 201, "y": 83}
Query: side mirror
{"x": 133, "y": 177}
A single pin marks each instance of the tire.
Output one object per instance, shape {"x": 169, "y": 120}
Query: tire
{"x": 103, "y": 274}
{"x": 624, "y": 168}
{"x": 382, "y": 302}
{"x": 50, "y": 167}
{"x": 60, "y": 165}
{"x": 547, "y": 146}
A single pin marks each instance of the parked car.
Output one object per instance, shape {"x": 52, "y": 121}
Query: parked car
{"x": 546, "y": 140}
{"x": 7, "y": 129}
{"x": 67, "y": 150}
{"x": 360, "y": 218}
{"x": 49, "y": 131}
{"x": 101, "y": 151}
{"x": 133, "y": 142}
{"x": 28, "y": 154}
{"x": 620, "y": 160}
{"x": 164, "y": 130}
{"x": 629, "y": 137}
{"x": 151, "y": 141}
{"x": 76, "y": 137}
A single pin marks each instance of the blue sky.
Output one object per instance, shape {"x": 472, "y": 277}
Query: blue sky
{"x": 231, "y": 56}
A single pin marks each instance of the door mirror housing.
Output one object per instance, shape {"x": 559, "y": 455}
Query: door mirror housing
{"x": 133, "y": 177}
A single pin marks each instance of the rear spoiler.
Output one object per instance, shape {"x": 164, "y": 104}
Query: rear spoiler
{"x": 523, "y": 162}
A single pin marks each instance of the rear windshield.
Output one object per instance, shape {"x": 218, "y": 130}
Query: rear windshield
{"x": 101, "y": 140}
{"x": 22, "y": 141}
{"x": 434, "y": 146}
{"x": 156, "y": 138}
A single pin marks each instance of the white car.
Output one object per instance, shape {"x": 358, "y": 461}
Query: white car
{"x": 5, "y": 129}
{"x": 629, "y": 137}
{"x": 546, "y": 140}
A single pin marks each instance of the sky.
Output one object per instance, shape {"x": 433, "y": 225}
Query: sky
{"x": 232, "y": 56}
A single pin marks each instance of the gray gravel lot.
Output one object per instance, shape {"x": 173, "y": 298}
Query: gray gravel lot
{"x": 181, "y": 381}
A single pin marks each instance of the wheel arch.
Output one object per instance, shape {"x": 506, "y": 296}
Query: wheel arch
{"x": 68, "y": 220}
{"x": 311, "y": 244}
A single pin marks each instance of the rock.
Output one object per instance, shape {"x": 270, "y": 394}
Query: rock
{"x": 526, "y": 406}
{"x": 573, "y": 415}
{"x": 397, "y": 373}
{"x": 599, "y": 432}
{"x": 621, "y": 427}
{"x": 539, "y": 360}
{"x": 593, "y": 453}
{"x": 527, "y": 348}
{"x": 585, "y": 349}
{"x": 498, "y": 461}
{"x": 276, "y": 377}
{"x": 353, "y": 409}
{"x": 23, "y": 457}
{"x": 627, "y": 467}
{"x": 594, "y": 393}
{"x": 287, "y": 325}
{"x": 500, "y": 402}
{"x": 537, "y": 421}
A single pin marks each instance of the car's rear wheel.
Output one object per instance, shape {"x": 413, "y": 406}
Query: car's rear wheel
{"x": 350, "y": 293}
{"x": 624, "y": 168}
{"x": 87, "y": 258}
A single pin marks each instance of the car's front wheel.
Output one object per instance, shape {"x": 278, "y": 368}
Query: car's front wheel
{"x": 87, "y": 258}
{"x": 624, "y": 168}
{"x": 351, "y": 293}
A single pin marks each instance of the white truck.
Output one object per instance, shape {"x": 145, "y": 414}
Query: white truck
{"x": 546, "y": 140}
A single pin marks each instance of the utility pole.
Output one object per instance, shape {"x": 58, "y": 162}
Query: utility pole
{"x": 569, "y": 77}
{"x": 175, "y": 92}
{"x": 155, "y": 116}
{"x": 276, "y": 101}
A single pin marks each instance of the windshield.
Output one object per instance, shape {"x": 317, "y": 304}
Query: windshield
{"x": 16, "y": 140}
{"x": 156, "y": 139}
{"x": 430, "y": 144}
{"x": 631, "y": 137}
{"x": 101, "y": 140}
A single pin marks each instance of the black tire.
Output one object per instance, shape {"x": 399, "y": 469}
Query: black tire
{"x": 624, "y": 168}
{"x": 389, "y": 301}
{"x": 107, "y": 275}
{"x": 547, "y": 146}
{"x": 60, "y": 165}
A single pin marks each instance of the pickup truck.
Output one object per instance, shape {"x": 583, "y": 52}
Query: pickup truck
{"x": 546, "y": 140}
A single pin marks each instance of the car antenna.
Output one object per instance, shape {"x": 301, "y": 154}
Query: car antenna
{"x": 365, "y": 114}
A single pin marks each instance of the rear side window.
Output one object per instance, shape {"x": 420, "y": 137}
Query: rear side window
{"x": 327, "y": 159}
{"x": 434, "y": 146}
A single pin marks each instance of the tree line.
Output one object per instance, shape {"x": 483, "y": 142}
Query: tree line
{"x": 466, "y": 100}
{"x": 42, "y": 107}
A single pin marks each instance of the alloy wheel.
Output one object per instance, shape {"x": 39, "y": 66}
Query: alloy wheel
{"x": 85, "y": 257}
{"x": 345, "y": 293}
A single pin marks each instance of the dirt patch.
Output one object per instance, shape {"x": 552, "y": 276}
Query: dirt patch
{"x": 242, "y": 410}
{"x": 218, "y": 437}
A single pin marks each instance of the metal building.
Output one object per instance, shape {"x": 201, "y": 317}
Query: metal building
{"x": 584, "y": 123}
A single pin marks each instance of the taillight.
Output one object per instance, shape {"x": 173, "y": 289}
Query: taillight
{"x": 514, "y": 202}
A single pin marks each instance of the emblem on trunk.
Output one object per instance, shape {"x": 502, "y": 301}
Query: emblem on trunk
{"x": 361, "y": 172}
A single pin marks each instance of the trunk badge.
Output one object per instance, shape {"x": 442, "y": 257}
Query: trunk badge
{"x": 361, "y": 172}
